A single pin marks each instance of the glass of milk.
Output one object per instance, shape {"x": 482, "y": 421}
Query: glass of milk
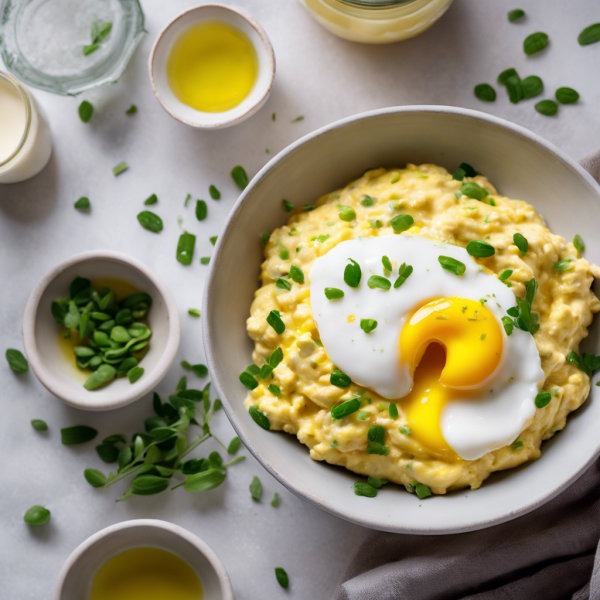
{"x": 25, "y": 143}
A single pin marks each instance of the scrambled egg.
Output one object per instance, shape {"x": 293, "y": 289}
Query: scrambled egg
{"x": 564, "y": 302}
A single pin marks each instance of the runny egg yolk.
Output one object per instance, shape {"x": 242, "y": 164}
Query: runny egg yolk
{"x": 452, "y": 345}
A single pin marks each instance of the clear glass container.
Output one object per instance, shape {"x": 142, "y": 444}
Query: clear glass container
{"x": 42, "y": 41}
{"x": 25, "y": 142}
{"x": 376, "y": 21}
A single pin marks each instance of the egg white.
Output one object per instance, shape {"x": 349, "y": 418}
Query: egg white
{"x": 473, "y": 427}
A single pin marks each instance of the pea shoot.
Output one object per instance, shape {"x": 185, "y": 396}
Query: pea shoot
{"x": 256, "y": 489}
{"x": 39, "y": 425}
{"x": 566, "y": 95}
{"x": 401, "y": 223}
{"x": 120, "y": 168}
{"x": 404, "y": 272}
{"x": 515, "y": 14}
{"x": 548, "y": 108}
{"x": 86, "y": 110}
{"x": 185, "y": 248}
{"x": 215, "y": 194}
{"x": 590, "y": 35}
{"x": 485, "y": 92}
{"x": 339, "y": 379}
{"x": 333, "y": 293}
{"x": 280, "y": 574}
{"x": 379, "y": 282}
{"x": 368, "y": 325}
{"x": 535, "y": 43}
{"x": 17, "y": 361}
{"x": 480, "y": 249}
{"x": 452, "y": 265}
{"x": 473, "y": 190}
{"x": 150, "y": 221}
{"x": 352, "y": 274}
{"x": 37, "y": 515}
{"x": 520, "y": 241}
{"x": 240, "y": 177}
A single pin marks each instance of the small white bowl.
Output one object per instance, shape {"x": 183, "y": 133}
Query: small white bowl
{"x": 75, "y": 578}
{"x": 157, "y": 65}
{"x": 41, "y": 332}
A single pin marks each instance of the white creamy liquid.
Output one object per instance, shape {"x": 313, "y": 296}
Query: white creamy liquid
{"x": 13, "y": 119}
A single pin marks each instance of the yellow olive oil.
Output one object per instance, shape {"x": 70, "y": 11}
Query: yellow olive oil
{"x": 146, "y": 574}
{"x": 212, "y": 67}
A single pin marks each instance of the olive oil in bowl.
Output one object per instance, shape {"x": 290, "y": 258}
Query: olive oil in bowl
{"x": 146, "y": 573}
{"x": 212, "y": 67}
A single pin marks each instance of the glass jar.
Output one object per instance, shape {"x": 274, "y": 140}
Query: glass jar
{"x": 376, "y": 21}
{"x": 25, "y": 143}
{"x": 42, "y": 42}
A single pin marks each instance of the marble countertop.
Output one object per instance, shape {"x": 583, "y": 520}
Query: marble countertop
{"x": 320, "y": 77}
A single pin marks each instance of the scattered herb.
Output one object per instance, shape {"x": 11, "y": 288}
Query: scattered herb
{"x": 256, "y": 489}
{"x": 340, "y": 379}
{"x": 590, "y": 35}
{"x": 485, "y": 92}
{"x": 352, "y": 274}
{"x": 77, "y": 434}
{"x": 17, "y": 361}
{"x": 515, "y": 15}
{"x": 532, "y": 86}
{"x": 421, "y": 490}
{"x": 535, "y": 42}
{"x": 37, "y": 515}
{"x": 508, "y": 325}
{"x": 405, "y": 429}
{"x": 120, "y": 168}
{"x": 480, "y": 249}
{"x": 287, "y": 205}
{"x": 377, "y": 281}
{"x": 150, "y": 221}
{"x": 452, "y": 265}
{"x": 297, "y": 274}
{"x": 134, "y": 374}
{"x": 404, "y": 272}
{"x": 185, "y": 248}
{"x": 459, "y": 174}
{"x": 194, "y": 312}
{"x": 280, "y": 574}
{"x": 514, "y": 89}
{"x": 505, "y": 274}
{"x": 364, "y": 489}
{"x": 503, "y": 78}
{"x": 275, "y": 321}
{"x": 201, "y": 210}
{"x": 215, "y": 194}
{"x": 259, "y": 417}
{"x": 563, "y": 265}
{"x": 333, "y": 293}
{"x": 274, "y": 389}
{"x": 548, "y": 108}
{"x": 386, "y": 262}
{"x": 151, "y": 200}
{"x": 578, "y": 243}
{"x": 240, "y": 177}
{"x": 86, "y": 110}
{"x": 566, "y": 95}
{"x": 516, "y": 445}
{"x": 204, "y": 260}
{"x": 39, "y": 425}
{"x": 264, "y": 237}
{"x": 368, "y": 201}
{"x": 393, "y": 411}
{"x": 275, "y": 501}
{"x": 108, "y": 453}
{"x": 402, "y": 223}
{"x": 473, "y": 190}
{"x": 542, "y": 399}
{"x": 368, "y": 325}
{"x": 521, "y": 242}
{"x": 131, "y": 110}
{"x": 213, "y": 239}
{"x": 234, "y": 445}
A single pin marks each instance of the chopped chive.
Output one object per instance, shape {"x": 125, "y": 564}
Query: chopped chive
{"x": 333, "y": 293}
{"x": 120, "y": 168}
{"x": 205, "y": 260}
{"x": 393, "y": 411}
{"x": 364, "y": 489}
{"x": 308, "y": 207}
{"x": 297, "y": 119}
{"x": 87, "y": 50}
{"x": 563, "y": 265}
{"x": 185, "y": 248}
{"x": 452, "y": 265}
{"x": 150, "y": 221}
{"x": 368, "y": 325}
{"x": 505, "y": 274}
{"x": 131, "y": 110}
{"x": 421, "y": 490}
{"x": 37, "y": 515}
{"x": 468, "y": 169}
{"x": 215, "y": 194}
{"x": 194, "y": 312}
{"x": 376, "y": 482}
{"x": 405, "y": 429}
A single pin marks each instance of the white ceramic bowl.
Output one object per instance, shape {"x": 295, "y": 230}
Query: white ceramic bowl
{"x": 157, "y": 66}
{"x": 41, "y": 332}
{"x": 521, "y": 165}
{"x": 75, "y": 577}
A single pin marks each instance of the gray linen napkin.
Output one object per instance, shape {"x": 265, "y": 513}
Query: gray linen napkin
{"x": 549, "y": 554}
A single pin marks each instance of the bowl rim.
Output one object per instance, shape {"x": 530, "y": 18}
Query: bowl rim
{"x": 209, "y": 332}
{"x": 149, "y": 382}
{"x": 201, "y": 546}
{"x": 271, "y": 66}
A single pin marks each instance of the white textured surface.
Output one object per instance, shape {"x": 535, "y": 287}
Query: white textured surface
{"x": 318, "y": 76}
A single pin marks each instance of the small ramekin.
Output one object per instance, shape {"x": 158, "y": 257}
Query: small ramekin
{"x": 157, "y": 65}
{"x": 75, "y": 578}
{"x": 41, "y": 332}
